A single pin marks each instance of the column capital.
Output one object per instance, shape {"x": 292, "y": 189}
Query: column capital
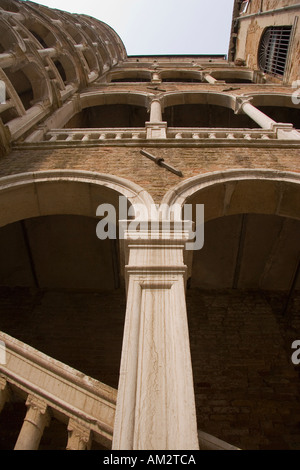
{"x": 37, "y": 404}
{"x": 79, "y": 436}
{"x": 4, "y": 392}
{"x": 37, "y": 412}
{"x": 240, "y": 101}
{"x": 155, "y": 246}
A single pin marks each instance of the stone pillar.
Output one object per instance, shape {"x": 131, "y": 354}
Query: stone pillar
{"x": 155, "y": 78}
{"x": 209, "y": 78}
{"x": 213, "y": 80}
{"x": 4, "y": 393}
{"x": 156, "y": 128}
{"x": 35, "y": 421}
{"x": 79, "y": 437}
{"x": 155, "y": 405}
{"x": 7, "y": 59}
{"x": 243, "y": 105}
{"x": 49, "y": 52}
{"x": 284, "y": 131}
{"x": 155, "y": 111}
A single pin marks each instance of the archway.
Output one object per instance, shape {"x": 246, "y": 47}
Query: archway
{"x": 207, "y": 109}
{"x": 61, "y": 287}
{"x": 242, "y": 301}
{"x": 102, "y": 110}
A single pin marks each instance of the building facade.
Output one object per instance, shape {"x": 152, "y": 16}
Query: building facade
{"x": 150, "y": 225}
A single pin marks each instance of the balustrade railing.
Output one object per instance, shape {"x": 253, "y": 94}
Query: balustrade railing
{"x": 94, "y": 136}
{"x": 217, "y": 133}
{"x": 51, "y": 388}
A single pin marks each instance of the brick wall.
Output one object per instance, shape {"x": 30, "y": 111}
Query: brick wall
{"x": 246, "y": 387}
{"x": 129, "y": 163}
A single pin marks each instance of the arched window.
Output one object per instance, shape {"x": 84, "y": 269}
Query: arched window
{"x": 273, "y": 49}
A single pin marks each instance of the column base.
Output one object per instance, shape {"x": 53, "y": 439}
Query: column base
{"x": 156, "y": 130}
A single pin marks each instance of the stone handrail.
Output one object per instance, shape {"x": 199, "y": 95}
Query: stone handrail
{"x": 67, "y": 393}
{"x": 220, "y": 133}
{"x": 93, "y": 136}
{"x": 209, "y": 442}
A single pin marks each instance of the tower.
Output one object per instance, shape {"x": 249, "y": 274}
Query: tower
{"x": 121, "y": 326}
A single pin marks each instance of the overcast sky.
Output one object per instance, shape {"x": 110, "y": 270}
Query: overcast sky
{"x": 161, "y": 26}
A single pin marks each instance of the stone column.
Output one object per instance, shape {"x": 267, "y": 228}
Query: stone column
{"x": 284, "y": 131}
{"x": 156, "y": 128}
{"x": 7, "y": 59}
{"x": 244, "y": 105}
{"x": 155, "y": 78}
{"x": 4, "y": 393}
{"x": 155, "y": 405}
{"x": 212, "y": 80}
{"x": 155, "y": 111}
{"x": 49, "y": 52}
{"x": 35, "y": 421}
{"x": 209, "y": 78}
{"x": 79, "y": 437}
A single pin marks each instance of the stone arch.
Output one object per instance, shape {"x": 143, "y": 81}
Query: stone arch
{"x": 180, "y": 75}
{"x": 8, "y": 5}
{"x": 219, "y": 99}
{"x": 129, "y": 75}
{"x": 246, "y": 263}
{"x": 75, "y": 192}
{"x": 49, "y": 217}
{"x": 66, "y": 69}
{"x": 203, "y": 109}
{"x": 42, "y": 32}
{"x": 234, "y": 76}
{"x": 240, "y": 190}
{"x": 97, "y": 99}
{"x": 272, "y": 99}
{"x": 10, "y": 39}
{"x": 30, "y": 82}
{"x": 279, "y": 107}
{"x": 103, "y": 110}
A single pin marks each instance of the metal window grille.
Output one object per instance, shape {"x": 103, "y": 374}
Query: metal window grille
{"x": 273, "y": 49}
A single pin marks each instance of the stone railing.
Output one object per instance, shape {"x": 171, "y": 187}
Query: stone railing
{"x": 114, "y": 135}
{"x": 52, "y": 389}
{"x": 217, "y": 133}
{"x": 209, "y": 442}
{"x": 94, "y": 135}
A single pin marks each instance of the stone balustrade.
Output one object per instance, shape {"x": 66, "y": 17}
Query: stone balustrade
{"x": 51, "y": 388}
{"x": 94, "y": 136}
{"x": 86, "y": 406}
{"x": 215, "y": 133}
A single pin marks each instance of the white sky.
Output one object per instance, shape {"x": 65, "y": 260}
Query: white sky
{"x": 161, "y": 26}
